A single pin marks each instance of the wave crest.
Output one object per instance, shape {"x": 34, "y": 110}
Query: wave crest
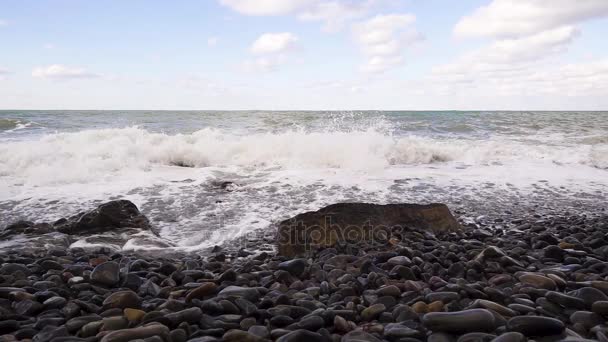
{"x": 76, "y": 157}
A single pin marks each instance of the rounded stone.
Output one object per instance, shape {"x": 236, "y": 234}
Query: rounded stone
{"x": 295, "y": 266}
{"x": 300, "y": 335}
{"x": 125, "y": 335}
{"x": 206, "y": 289}
{"x": 390, "y": 290}
{"x": 565, "y": 300}
{"x": 460, "y": 322}
{"x": 134, "y": 315}
{"x": 420, "y": 307}
{"x": 535, "y": 325}
{"x": 600, "y": 308}
{"x": 122, "y": 300}
{"x": 358, "y": 336}
{"x": 372, "y": 312}
{"x": 512, "y": 336}
{"x": 436, "y": 306}
{"x": 106, "y": 273}
{"x": 538, "y": 281}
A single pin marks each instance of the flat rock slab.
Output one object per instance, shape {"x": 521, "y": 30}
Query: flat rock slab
{"x": 357, "y": 222}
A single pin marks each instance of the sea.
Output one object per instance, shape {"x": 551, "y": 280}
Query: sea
{"x": 206, "y": 177}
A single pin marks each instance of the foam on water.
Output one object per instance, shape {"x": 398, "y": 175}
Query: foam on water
{"x": 287, "y": 169}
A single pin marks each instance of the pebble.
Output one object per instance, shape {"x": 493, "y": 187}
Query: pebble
{"x": 460, "y": 321}
{"x": 295, "y": 266}
{"x": 372, "y": 312}
{"x": 122, "y": 300}
{"x": 144, "y": 332}
{"x": 106, "y": 274}
{"x": 535, "y": 325}
{"x": 300, "y": 335}
{"x": 512, "y": 336}
{"x": 204, "y": 290}
{"x": 538, "y": 280}
{"x": 471, "y": 285}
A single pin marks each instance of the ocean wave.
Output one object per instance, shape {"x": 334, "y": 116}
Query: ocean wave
{"x": 11, "y": 125}
{"x": 79, "y": 156}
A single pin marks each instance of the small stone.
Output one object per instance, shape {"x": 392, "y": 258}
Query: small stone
{"x": 600, "y": 308}
{"x": 565, "y": 300}
{"x": 390, "y": 290}
{"x": 126, "y": 335}
{"x": 300, "y": 335}
{"x": 28, "y": 307}
{"x": 460, "y": 322}
{"x": 372, "y": 312}
{"x": 445, "y": 297}
{"x": 206, "y": 289}
{"x": 114, "y": 323}
{"x": 248, "y": 293}
{"x": 436, "y": 306}
{"x": 400, "y": 260}
{"x": 191, "y": 315}
{"x": 106, "y": 274}
{"x": 340, "y": 324}
{"x": 586, "y": 319}
{"x": 420, "y": 307}
{"x": 55, "y": 302}
{"x": 178, "y": 335}
{"x": 134, "y": 315}
{"x": 538, "y": 281}
{"x": 312, "y": 323}
{"x": 359, "y": 336}
{"x": 590, "y": 295}
{"x": 259, "y": 330}
{"x": 511, "y": 336}
{"x": 235, "y": 335}
{"x": 476, "y": 337}
{"x": 554, "y": 252}
{"x": 296, "y": 266}
{"x": 122, "y": 300}
{"x": 487, "y": 304}
{"x": 396, "y": 331}
{"x": 535, "y": 325}
{"x": 566, "y": 245}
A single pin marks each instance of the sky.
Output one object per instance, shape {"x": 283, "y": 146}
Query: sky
{"x": 304, "y": 54}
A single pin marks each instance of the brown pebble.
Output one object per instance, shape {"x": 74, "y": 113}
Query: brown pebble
{"x": 202, "y": 291}
{"x": 436, "y": 306}
{"x": 420, "y": 307}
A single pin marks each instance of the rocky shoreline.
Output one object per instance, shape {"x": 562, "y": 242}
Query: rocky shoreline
{"x": 544, "y": 279}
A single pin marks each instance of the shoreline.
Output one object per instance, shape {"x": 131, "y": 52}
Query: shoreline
{"x": 545, "y": 277}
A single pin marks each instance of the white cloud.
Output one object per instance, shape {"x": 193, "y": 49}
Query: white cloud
{"x": 509, "y": 54}
{"x": 589, "y": 79}
{"x": 269, "y": 43}
{"x": 383, "y": 40}
{"x": 212, "y": 41}
{"x": 336, "y": 14}
{"x": 267, "y": 7}
{"x": 264, "y": 64}
{"x": 516, "y": 18}
{"x": 62, "y": 72}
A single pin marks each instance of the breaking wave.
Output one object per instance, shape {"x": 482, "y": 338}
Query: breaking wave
{"x": 78, "y": 156}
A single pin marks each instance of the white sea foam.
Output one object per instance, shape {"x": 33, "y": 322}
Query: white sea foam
{"x": 92, "y": 154}
{"x": 279, "y": 173}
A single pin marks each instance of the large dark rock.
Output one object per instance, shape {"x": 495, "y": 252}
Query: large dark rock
{"x": 356, "y": 222}
{"x": 108, "y": 216}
